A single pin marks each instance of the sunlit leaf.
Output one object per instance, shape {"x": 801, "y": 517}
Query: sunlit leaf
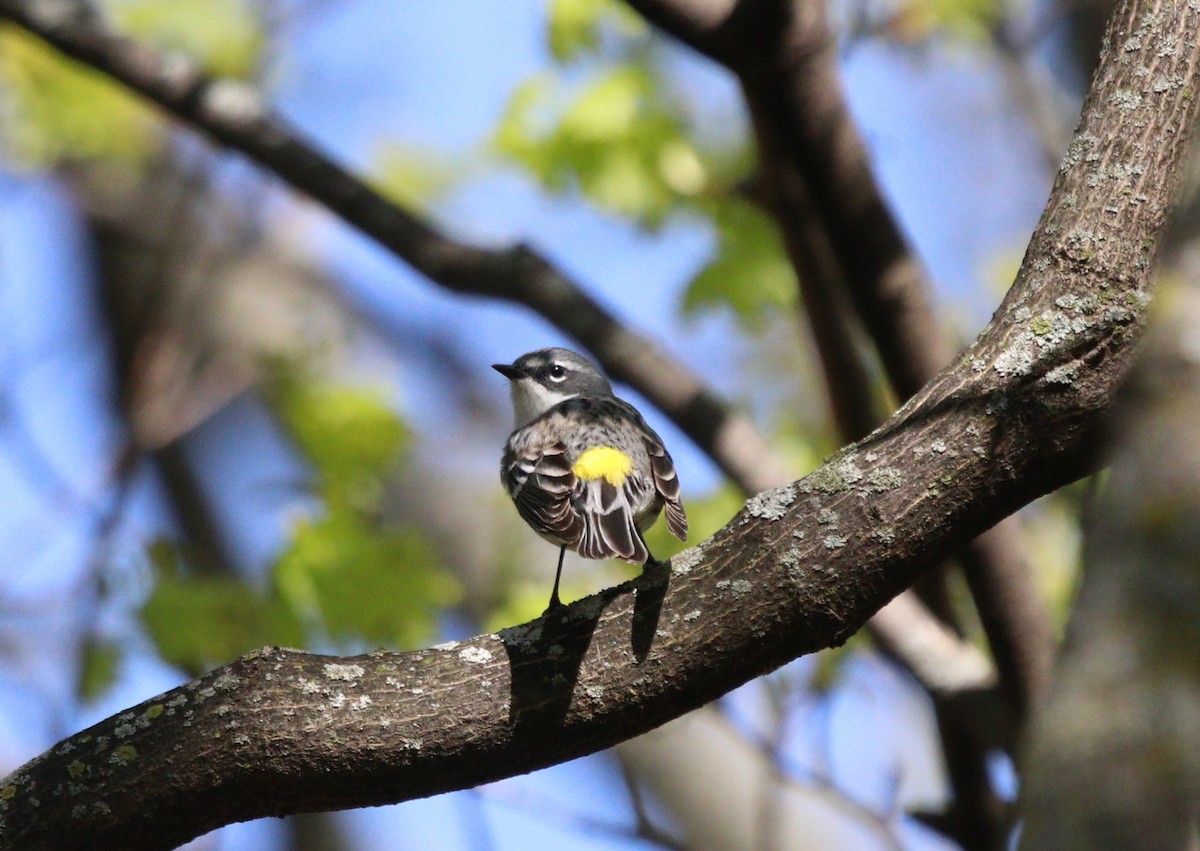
{"x": 384, "y": 586}
{"x": 613, "y": 139}
{"x": 61, "y": 110}
{"x": 414, "y": 177}
{"x": 225, "y": 37}
{"x": 750, "y": 273}
{"x": 199, "y": 622}
{"x": 919, "y": 20}
{"x": 350, "y": 434}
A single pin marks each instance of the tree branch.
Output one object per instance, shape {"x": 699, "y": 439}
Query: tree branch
{"x": 798, "y": 569}
{"x": 826, "y": 200}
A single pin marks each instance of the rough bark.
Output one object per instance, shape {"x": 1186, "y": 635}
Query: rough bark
{"x": 799, "y": 568}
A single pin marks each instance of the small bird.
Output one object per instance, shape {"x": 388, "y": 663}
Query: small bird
{"x": 582, "y": 466}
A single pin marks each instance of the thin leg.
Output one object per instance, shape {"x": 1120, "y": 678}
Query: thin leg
{"x": 556, "y": 603}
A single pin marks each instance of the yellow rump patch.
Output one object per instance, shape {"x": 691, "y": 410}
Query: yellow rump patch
{"x": 603, "y": 462}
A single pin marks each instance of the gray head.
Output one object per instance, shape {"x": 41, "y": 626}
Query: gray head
{"x": 542, "y": 379}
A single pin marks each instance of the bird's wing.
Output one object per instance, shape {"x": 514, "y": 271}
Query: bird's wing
{"x": 666, "y": 482}
{"x": 541, "y": 484}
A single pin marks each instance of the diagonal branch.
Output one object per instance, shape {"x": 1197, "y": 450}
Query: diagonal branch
{"x": 798, "y": 569}
{"x": 824, "y": 192}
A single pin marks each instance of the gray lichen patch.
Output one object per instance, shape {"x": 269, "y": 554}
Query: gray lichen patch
{"x": 837, "y": 476}
{"x": 882, "y": 480}
{"x": 475, "y": 655}
{"x": 739, "y": 587}
{"x": 682, "y": 563}
{"x": 834, "y": 542}
{"x": 1065, "y": 374}
{"x": 772, "y": 504}
{"x": 347, "y": 673}
{"x": 123, "y": 755}
{"x": 227, "y": 682}
{"x": 1045, "y": 332}
{"x": 1083, "y": 148}
{"x": 1127, "y": 100}
{"x": 884, "y": 534}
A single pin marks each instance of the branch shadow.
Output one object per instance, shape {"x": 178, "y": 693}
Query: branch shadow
{"x": 545, "y": 655}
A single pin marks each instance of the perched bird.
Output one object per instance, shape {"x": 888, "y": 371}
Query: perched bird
{"x": 582, "y": 467}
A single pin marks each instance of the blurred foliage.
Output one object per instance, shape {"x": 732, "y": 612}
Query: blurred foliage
{"x": 621, "y": 139}
{"x": 749, "y": 273}
{"x": 57, "y": 110}
{"x": 225, "y": 37}
{"x": 98, "y": 664}
{"x": 613, "y": 140}
{"x": 344, "y": 576}
{"x": 414, "y": 177}
{"x": 345, "y": 571}
{"x": 575, "y": 28}
{"x": 200, "y": 621}
{"x": 969, "y": 21}
{"x": 1052, "y": 533}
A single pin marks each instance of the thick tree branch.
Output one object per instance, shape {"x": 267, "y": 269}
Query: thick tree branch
{"x": 799, "y": 568}
{"x": 827, "y": 201}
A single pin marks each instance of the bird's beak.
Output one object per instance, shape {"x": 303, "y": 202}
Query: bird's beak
{"x": 508, "y": 371}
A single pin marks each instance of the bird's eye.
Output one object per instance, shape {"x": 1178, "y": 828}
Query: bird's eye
{"x": 558, "y": 372}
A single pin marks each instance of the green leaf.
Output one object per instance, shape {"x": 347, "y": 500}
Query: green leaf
{"x": 62, "y": 110}
{"x": 350, "y": 434}
{"x": 750, "y": 272}
{"x": 615, "y": 140}
{"x": 357, "y": 581}
{"x": 224, "y": 37}
{"x": 577, "y": 27}
{"x": 968, "y": 20}
{"x": 199, "y": 622}
{"x": 97, "y": 667}
{"x": 414, "y": 177}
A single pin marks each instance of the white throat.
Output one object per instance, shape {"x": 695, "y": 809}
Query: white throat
{"x": 531, "y": 400}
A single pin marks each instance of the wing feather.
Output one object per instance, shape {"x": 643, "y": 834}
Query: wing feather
{"x": 666, "y": 482}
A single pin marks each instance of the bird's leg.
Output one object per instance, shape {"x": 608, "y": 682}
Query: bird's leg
{"x": 556, "y": 603}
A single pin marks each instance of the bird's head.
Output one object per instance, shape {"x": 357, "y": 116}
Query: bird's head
{"x": 540, "y": 380}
